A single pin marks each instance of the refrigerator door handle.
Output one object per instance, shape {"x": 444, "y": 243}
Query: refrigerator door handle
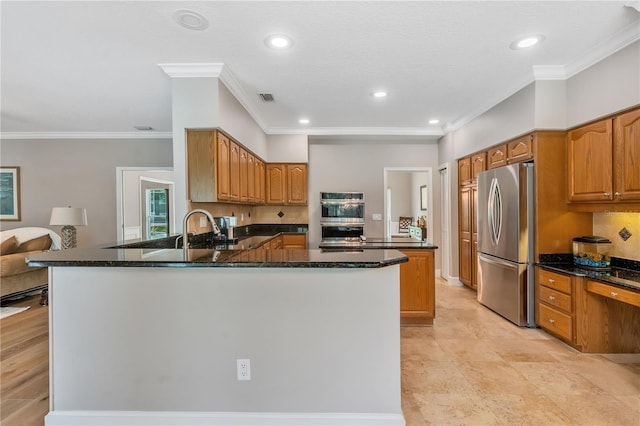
{"x": 494, "y": 211}
{"x": 494, "y": 261}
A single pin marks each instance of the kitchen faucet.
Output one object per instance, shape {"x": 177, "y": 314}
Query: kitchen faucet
{"x": 185, "y": 226}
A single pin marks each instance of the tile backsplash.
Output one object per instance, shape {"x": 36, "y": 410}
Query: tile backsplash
{"x": 612, "y": 225}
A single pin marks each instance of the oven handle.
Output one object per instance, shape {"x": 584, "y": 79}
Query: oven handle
{"x": 348, "y": 202}
{"x": 343, "y": 225}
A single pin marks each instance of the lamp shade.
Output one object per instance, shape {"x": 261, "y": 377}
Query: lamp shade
{"x": 74, "y": 216}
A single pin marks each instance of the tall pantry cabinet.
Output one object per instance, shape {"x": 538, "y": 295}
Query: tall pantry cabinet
{"x": 468, "y": 169}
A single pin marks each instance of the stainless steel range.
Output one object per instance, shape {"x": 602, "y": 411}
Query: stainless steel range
{"x": 342, "y": 216}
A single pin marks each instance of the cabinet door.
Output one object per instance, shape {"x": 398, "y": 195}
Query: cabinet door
{"x": 497, "y": 157}
{"x": 297, "y": 184}
{"x": 276, "y": 184}
{"x": 260, "y": 182}
{"x": 251, "y": 180}
{"x": 520, "y": 149}
{"x": 244, "y": 175}
{"x": 478, "y": 164}
{"x": 464, "y": 171}
{"x": 474, "y": 237}
{"x": 234, "y": 171}
{"x": 590, "y": 162}
{"x": 223, "y": 147}
{"x": 465, "y": 227}
{"x": 201, "y": 178}
{"x": 417, "y": 288}
{"x": 627, "y": 156}
{"x": 294, "y": 241}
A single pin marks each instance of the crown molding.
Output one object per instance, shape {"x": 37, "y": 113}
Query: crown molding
{"x": 86, "y": 135}
{"x": 229, "y": 79}
{"x": 194, "y": 70}
{"x": 357, "y": 131}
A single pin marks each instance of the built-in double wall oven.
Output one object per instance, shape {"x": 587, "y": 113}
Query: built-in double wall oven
{"x": 342, "y": 216}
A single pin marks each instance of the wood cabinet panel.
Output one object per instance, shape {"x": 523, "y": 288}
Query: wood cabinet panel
{"x": 276, "y": 184}
{"x": 234, "y": 172}
{"x": 614, "y": 292}
{"x": 297, "y": 184}
{"x": 465, "y": 228}
{"x": 294, "y": 241}
{"x": 555, "y": 281}
{"x": 590, "y": 162}
{"x": 417, "y": 288}
{"x": 555, "y": 298}
{"x": 627, "y": 156}
{"x": 556, "y": 322}
{"x": 223, "y": 172}
{"x": 251, "y": 180}
{"x": 260, "y": 182}
{"x": 464, "y": 171}
{"x": 243, "y": 175}
{"x": 520, "y": 149}
{"x": 497, "y": 156}
{"x": 201, "y": 166}
{"x": 478, "y": 164}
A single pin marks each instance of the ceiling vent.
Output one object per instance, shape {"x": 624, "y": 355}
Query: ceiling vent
{"x": 266, "y": 97}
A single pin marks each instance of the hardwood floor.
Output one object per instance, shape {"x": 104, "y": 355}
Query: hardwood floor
{"x": 24, "y": 365}
{"x": 471, "y": 368}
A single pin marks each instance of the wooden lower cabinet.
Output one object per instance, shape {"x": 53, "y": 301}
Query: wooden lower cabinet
{"x": 417, "y": 288}
{"x": 591, "y": 316}
{"x": 294, "y": 241}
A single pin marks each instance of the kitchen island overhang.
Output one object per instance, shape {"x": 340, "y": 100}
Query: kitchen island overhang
{"x": 157, "y": 340}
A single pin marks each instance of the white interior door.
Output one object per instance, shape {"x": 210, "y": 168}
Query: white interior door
{"x": 444, "y": 222}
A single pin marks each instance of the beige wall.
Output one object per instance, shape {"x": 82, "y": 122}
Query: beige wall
{"x": 78, "y": 173}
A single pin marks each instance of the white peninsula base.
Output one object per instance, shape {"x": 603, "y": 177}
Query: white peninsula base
{"x": 150, "y": 346}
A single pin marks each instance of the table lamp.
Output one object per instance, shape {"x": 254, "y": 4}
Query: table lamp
{"x": 68, "y": 218}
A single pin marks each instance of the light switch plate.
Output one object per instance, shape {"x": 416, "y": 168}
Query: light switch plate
{"x": 377, "y": 216}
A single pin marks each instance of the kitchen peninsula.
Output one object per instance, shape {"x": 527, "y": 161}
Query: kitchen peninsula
{"x": 417, "y": 276}
{"x": 149, "y": 335}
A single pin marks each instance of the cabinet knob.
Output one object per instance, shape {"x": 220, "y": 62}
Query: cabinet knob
{"x": 606, "y": 194}
{"x": 617, "y": 194}
{"x": 552, "y": 298}
{"x": 551, "y": 280}
{"x": 613, "y": 294}
{"x": 552, "y": 321}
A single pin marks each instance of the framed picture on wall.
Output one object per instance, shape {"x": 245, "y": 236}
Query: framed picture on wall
{"x": 423, "y": 198}
{"x": 10, "y": 193}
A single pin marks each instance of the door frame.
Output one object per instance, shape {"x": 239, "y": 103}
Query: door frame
{"x": 445, "y": 221}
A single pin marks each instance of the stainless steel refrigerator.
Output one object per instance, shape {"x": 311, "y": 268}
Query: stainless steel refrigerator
{"x": 505, "y": 242}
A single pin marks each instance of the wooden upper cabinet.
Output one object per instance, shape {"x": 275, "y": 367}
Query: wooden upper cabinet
{"x": 276, "y": 184}
{"x": 590, "y": 162}
{"x": 520, "y": 149}
{"x": 234, "y": 172}
{"x": 464, "y": 171}
{"x": 478, "y": 164}
{"x": 251, "y": 180}
{"x": 297, "y": 184}
{"x": 223, "y": 147}
{"x": 201, "y": 178}
{"x": 497, "y": 156}
{"x": 627, "y": 156}
{"x": 243, "y": 175}
{"x": 260, "y": 181}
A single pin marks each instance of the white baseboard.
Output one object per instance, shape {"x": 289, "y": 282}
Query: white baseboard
{"x": 439, "y": 273}
{"x": 455, "y": 281}
{"x": 172, "y": 418}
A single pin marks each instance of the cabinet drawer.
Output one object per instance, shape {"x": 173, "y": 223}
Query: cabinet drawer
{"x": 555, "y": 281}
{"x": 613, "y": 292}
{"x": 555, "y": 322}
{"x": 555, "y": 298}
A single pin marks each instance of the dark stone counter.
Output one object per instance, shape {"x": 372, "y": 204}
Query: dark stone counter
{"x": 623, "y": 272}
{"x": 378, "y": 243}
{"x": 163, "y": 257}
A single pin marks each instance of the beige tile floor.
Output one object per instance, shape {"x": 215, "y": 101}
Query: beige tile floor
{"x": 475, "y": 368}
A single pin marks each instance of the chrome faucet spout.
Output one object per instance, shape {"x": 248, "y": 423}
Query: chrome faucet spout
{"x": 185, "y": 226}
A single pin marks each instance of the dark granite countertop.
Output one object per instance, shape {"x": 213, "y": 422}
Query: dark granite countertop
{"x": 398, "y": 243}
{"x": 159, "y": 257}
{"x": 623, "y": 272}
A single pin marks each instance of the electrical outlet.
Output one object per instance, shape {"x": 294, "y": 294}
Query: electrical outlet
{"x": 203, "y": 222}
{"x": 244, "y": 369}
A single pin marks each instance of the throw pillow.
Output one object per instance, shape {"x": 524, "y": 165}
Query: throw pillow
{"x": 40, "y": 243}
{"x": 9, "y": 246}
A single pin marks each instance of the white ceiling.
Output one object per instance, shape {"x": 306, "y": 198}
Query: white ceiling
{"x": 92, "y": 68}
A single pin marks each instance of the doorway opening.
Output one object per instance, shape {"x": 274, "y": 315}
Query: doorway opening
{"x": 445, "y": 221}
{"x": 408, "y": 194}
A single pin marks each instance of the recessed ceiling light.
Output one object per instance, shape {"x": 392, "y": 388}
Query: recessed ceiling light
{"x": 379, "y": 94}
{"x": 303, "y": 121}
{"x": 434, "y": 121}
{"x": 190, "y": 20}
{"x": 278, "y": 41}
{"x": 525, "y": 42}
